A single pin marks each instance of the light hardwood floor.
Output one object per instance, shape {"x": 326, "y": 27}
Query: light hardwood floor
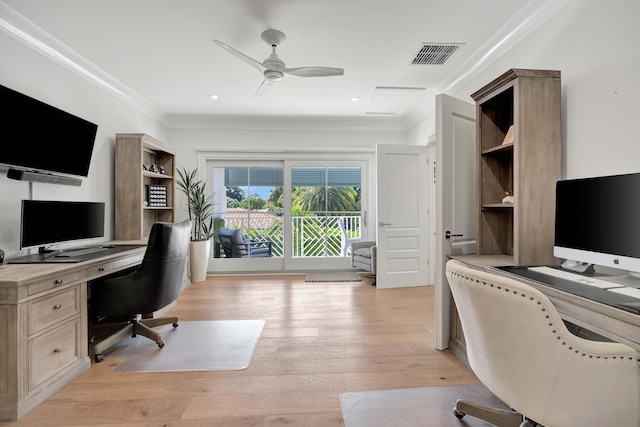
{"x": 319, "y": 340}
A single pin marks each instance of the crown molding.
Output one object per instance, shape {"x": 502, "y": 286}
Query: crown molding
{"x": 17, "y": 26}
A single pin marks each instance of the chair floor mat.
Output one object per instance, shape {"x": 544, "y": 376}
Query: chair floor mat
{"x": 422, "y": 406}
{"x": 192, "y": 346}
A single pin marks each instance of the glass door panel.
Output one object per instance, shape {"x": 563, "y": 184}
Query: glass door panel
{"x": 325, "y": 210}
{"x": 249, "y": 199}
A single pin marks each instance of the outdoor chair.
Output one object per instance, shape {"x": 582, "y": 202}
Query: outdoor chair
{"x": 234, "y": 245}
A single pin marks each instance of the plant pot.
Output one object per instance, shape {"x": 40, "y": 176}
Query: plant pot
{"x": 199, "y": 259}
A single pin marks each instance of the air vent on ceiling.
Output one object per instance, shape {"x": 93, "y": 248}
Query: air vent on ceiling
{"x": 435, "y": 53}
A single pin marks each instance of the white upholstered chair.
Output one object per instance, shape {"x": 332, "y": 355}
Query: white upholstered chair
{"x": 520, "y": 349}
{"x": 364, "y": 256}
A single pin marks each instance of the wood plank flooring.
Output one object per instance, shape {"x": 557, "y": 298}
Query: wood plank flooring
{"x": 319, "y": 340}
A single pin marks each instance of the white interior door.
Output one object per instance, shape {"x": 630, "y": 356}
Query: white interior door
{"x": 403, "y": 223}
{"x": 455, "y": 197}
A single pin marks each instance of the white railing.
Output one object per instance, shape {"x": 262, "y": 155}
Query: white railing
{"x": 312, "y": 236}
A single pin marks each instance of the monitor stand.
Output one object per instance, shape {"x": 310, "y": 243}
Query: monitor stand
{"x": 578, "y": 266}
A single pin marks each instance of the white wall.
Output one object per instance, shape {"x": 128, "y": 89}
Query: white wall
{"x": 595, "y": 46}
{"x": 188, "y": 141}
{"x": 33, "y": 74}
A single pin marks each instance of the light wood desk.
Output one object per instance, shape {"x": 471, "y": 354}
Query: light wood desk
{"x": 608, "y": 321}
{"x": 43, "y": 326}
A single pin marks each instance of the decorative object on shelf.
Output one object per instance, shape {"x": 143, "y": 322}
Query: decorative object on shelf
{"x": 154, "y": 168}
{"x": 161, "y": 169}
{"x": 508, "y": 199}
{"x": 199, "y": 210}
{"x": 1, "y": 256}
{"x": 157, "y": 196}
{"x": 510, "y": 136}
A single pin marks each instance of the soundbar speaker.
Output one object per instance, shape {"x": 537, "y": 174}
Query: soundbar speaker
{"x": 21, "y": 175}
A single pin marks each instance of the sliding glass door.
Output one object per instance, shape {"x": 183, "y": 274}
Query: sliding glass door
{"x": 290, "y": 215}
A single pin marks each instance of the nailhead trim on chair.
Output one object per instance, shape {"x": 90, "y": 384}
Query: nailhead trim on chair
{"x": 543, "y": 309}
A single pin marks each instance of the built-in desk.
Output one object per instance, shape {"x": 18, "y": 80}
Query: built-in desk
{"x": 608, "y": 321}
{"x": 43, "y": 326}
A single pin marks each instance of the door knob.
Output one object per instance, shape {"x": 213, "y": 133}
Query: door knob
{"x": 448, "y": 235}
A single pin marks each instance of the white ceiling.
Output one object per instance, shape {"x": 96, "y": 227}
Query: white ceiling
{"x": 160, "y": 54}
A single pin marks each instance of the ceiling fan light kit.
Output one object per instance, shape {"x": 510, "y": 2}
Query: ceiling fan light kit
{"x": 273, "y": 68}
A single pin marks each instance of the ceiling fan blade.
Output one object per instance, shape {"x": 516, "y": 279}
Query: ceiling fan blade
{"x": 313, "y": 71}
{"x": 264, "y": 86}
{"x": 255, "y": 64}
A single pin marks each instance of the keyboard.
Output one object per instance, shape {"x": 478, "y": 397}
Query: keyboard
{"x": 576, "y": 278}
{"x": 80, "y": 252}
{"x": 630, "y": 292}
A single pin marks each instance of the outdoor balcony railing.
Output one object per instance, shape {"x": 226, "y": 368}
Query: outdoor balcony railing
{"x": 312, "y": 236}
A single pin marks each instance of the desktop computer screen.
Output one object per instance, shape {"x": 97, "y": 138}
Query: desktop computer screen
{"x": 45, "y": 222}
{"x": 598, "y": 221}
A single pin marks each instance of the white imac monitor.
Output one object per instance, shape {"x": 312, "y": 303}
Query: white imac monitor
{"x": 598, "y": 222}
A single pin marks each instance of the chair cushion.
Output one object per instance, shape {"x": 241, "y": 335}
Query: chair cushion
{"x": 237, "y": 238}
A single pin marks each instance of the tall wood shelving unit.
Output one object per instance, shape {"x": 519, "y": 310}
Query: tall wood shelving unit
{"x": 134, "y": 214}
{"x": 521, "y": 233}
{"x": 528, "y": 100}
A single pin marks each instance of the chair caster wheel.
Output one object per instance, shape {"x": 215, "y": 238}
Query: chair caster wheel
{"x": 98, "y": 357}
{"x": 175, "y": 325}
{"x": 160, "y": 344}
{"x": 459, "y": 415}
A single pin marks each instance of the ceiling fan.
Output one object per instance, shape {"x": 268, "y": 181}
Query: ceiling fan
{"x": 273, "y": 68}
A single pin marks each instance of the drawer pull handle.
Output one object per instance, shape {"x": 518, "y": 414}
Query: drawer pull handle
{"x": 57, "y": 306}
{"x": 100, "y": 268}
{"x": 57, "y": 350}
{"x": 59, "y": 282}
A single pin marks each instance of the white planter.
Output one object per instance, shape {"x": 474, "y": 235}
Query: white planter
{"x": 199, "y": 252}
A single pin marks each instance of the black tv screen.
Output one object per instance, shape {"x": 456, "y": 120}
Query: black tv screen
{"x": 45, "y": 222}
{"x": 37, "y": 136}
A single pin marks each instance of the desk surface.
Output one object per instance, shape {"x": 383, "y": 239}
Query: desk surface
{"x": 611, "y": 322}
{"x": 19, "y": 274}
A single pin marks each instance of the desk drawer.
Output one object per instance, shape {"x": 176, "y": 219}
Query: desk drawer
{"x": 52, "y": 309}
{"x": 109, "y": 267}
{"x": 50, "y": 353}
{"x": 54, "y": 282}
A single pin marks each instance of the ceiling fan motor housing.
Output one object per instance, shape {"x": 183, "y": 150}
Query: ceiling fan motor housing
{"x": 273, "y": 75}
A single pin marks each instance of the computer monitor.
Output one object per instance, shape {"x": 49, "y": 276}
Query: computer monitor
{"x": 598, "y": 221}
{"x": 45, "y": 222}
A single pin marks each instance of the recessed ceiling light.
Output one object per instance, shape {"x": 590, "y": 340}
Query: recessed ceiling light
{"x": 214, "y": 97}
{"x": 355, "y": 99}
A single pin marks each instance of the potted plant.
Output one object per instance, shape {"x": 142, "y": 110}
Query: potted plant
{"x": 199, "y": 210}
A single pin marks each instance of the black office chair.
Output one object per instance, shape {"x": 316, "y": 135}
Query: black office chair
{"x": 154, "y": 284}
{"x": 235, "y": 245}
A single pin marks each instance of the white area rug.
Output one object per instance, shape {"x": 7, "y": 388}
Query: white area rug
{"x": 332, "y": 277}
{"x": 192, "y": 346}
{"x": 410, "y": 407}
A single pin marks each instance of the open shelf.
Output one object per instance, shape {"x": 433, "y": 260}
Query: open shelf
{"x": 528, "y": 102}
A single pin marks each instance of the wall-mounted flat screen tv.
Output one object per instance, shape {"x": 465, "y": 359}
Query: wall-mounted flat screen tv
{"x": 39, "y": 137}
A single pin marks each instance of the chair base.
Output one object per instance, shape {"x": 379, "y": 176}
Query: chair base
{"x": 498, "y": 417}
{"x": 132, "y": 329}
